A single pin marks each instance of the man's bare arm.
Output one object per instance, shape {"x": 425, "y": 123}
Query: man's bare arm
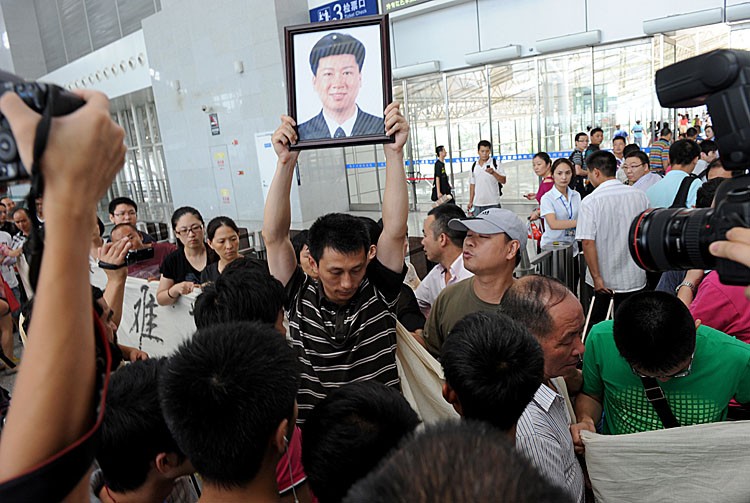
{"x": 277, "y": 215}
{"x": 396, "y": 197}
{"x": 85, "y": 145}
{"x": 592, "y": 262}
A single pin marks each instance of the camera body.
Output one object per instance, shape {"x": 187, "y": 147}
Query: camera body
{"x": 135, "y": 256}
{"x": 39, "y": 97}
{"x": 668, "y": 239}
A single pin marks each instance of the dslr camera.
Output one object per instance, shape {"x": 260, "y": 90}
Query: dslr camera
{"x": 40, "y": 97}
{"x": 668, "y": 239}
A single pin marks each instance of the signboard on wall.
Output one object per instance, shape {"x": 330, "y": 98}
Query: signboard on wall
{"x": 394, "y": 5}
{"x": 214, "y": 121}
{"x": 325, "y": 10}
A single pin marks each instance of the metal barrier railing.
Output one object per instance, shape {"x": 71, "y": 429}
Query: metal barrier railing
{"x": 557, "y": 261}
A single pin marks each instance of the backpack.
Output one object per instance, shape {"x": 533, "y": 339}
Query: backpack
{"x": 494, "y": 163}
{"x": 680, "y": 200}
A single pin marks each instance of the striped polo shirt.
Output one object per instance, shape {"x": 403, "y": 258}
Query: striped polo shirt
{"x": 336, "y": 344}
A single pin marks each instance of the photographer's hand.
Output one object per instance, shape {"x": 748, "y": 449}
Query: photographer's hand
{"x": 736, "y": 248}
{"x": 84, "y": 152}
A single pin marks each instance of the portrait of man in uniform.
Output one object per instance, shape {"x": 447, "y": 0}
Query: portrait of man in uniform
{"x": 337, "y": 83}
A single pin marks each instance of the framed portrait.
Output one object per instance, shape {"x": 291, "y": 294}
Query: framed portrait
{"x": 339, "y": 81}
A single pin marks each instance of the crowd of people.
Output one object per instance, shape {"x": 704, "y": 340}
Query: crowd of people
{"x": 290, "y": 389}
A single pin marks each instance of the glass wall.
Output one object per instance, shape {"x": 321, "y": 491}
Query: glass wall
{"x": 536, "y": 104}
{"x": 144, "y": 175}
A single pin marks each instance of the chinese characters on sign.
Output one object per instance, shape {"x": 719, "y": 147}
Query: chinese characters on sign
{"x": 393, "y": 5}
{"x": 144, "y": 321}
{"x": 343, "y": 9}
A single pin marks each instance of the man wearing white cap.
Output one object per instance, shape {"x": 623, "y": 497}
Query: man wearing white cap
{"x": 492, "y": 249}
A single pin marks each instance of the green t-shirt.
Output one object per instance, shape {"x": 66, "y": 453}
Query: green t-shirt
{"x": 720, "y": 372}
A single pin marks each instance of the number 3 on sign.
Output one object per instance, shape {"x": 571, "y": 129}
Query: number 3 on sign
{"x": 337, "y": 11}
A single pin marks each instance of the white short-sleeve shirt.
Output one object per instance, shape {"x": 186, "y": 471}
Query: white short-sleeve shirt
{"x": 486, "y": 190}
{"x": 605, "y": 218}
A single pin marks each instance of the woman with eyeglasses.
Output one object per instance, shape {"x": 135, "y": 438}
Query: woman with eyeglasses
{"x": 181, "y": 270}
{"x": 223, "y": 238}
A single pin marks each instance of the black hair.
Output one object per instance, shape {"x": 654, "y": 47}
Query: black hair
{"x": 579, "y": 135}
{"x": 544, "y": 156}
{"x": 114, "y": 203}
{"x": 443, "y": 214}
{"x": 654, "y": 330}
{"x": 299, "y": 241}
{"x": 562, "y": 160}
{"x": 20, "y": 208}
{"x": 630, "y": 148}
{"x": 640, "y": 155}
{"x": 334, "y": 44}
{"x": 596, "y": 130}
{"x": 182, "y": 211}
{"x": 374, "y": 230}
{"x": 708, "y": 146}
{"x": 665, "y": 132}
{"x": 218, "y": 222}
{"x": 691, "y": 131}
{"x": 621, "y": 138}
{"x": 604, "y": 161}
{"x": 494, "y": 365}
{"x": 133, "y": 432}
{"x": 224, "y": 394}
{"x": 453, "y": 462}
{"x": 438, "y": 149}
{"x": 484, "y": 143}
{"x": 240, "y": 294}
{"x": 340, "y": 232}
{"x": 683, "y": 152}
{"x": 120, "y": 226}
{"x": 707, "y": 192}
{"x": 348, "y": 433}
{"x": 529, "y": 300}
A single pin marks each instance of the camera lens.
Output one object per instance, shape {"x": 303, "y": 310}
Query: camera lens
{"x": 8, "y": 150}
{"x": 667, "y": 239}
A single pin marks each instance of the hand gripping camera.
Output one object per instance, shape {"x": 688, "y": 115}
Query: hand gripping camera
{"x": 668, "y": 239}
{"x": 41, "y": 98}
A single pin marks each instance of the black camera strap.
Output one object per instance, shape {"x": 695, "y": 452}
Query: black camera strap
{"x": 680, "y": 200}
{"x": 655, "y": 395}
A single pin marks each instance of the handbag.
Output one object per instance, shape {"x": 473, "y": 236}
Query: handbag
{"x": 433, "y": 196}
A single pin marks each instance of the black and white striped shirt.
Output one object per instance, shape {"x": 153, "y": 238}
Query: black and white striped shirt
{"x": 337, "y": 345}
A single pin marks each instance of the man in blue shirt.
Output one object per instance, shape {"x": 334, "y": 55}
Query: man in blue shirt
{"x": 683, "y": 156}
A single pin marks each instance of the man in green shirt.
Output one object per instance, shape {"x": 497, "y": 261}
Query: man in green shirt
{"x": 698, "y": 369}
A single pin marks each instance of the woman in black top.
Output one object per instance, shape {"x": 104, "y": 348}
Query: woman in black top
{"x": 442, "y": 184}
{"x": 224, "y": 239}
{"x": 181, "y": 270}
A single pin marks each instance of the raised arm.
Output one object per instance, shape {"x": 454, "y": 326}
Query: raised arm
{"x": 277, "y": 215}
{"x": 114, "y": 292}
{"x": 396, "y": 197}
{"x": 85, "y": 145}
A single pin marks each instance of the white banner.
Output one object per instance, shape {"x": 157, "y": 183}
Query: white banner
{"x": 700, "y": 463}
{"x": 146, "y": 325}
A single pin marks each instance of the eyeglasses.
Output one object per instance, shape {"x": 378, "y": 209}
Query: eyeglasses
{"x": 634, "y": 166}
{"x": 130, "y": 213}
{"x": 682, "y": 373}
{"x": 195, "y": 229}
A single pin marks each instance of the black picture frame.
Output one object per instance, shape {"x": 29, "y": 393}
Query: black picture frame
{"x": 300, "y": 40}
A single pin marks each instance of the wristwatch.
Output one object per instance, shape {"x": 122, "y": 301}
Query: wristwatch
{"x": 687, "y": 284}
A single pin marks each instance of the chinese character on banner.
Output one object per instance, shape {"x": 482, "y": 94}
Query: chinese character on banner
{"x": 324, "y": 15}
{"x": 362, "y": 4}
{"x": 347, "y": 8}
{"x": 145, "y": 318}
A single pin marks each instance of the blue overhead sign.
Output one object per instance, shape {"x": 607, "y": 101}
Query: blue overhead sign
{"x": 343, "y": 9}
